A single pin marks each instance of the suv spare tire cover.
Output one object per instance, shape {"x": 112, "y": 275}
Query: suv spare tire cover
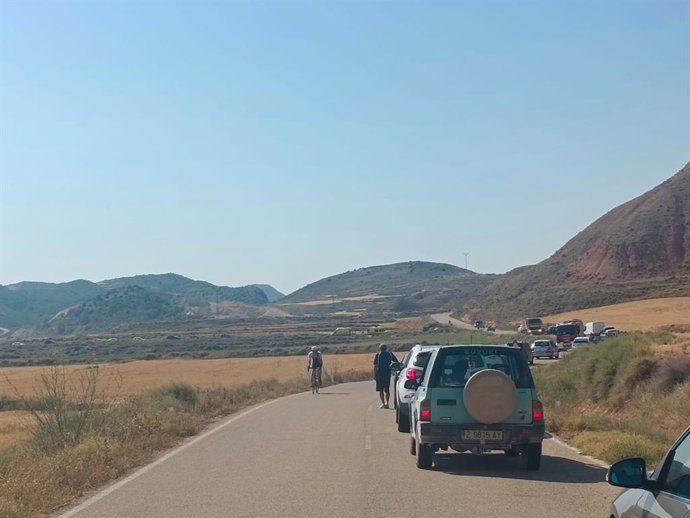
{"x": 490, "y": 396}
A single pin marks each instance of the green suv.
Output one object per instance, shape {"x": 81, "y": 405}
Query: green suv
{"x": 476, "y": 398}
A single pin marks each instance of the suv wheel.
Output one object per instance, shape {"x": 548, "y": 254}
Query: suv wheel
{"x": 403, "y": 421}
{"x": 425, "y": 456}
{"x": 532, "y": 456}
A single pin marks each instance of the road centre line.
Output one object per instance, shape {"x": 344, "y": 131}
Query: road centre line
{"x": 102, "y": 494}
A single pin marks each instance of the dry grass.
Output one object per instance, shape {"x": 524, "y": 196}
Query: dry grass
{"x": 131, "y": 378}
{"x": 411, "y": 324}
{"x": 641, "y": 315}
{"x": 13, "y": 428}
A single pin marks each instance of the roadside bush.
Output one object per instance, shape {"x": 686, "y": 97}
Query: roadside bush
{"x": 637, "y": 372}
{"x": 672, "y": 372}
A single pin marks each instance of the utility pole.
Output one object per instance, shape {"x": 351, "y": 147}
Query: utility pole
{"x": 465, "y": 254}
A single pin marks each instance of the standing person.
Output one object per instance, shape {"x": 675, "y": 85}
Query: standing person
{"x": 382, "y": 373}
{"x": 315, "y": 362}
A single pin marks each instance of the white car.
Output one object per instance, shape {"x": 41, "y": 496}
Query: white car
{"x": 580, "y": 341}
{"x": 666, "y": 493}
{"x": 410, "y": 368}
{"x": 544, "y": 349}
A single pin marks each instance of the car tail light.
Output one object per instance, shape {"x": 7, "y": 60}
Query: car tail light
{"x": 537, "y": 412}
{"x": 413, "y": 374}
{"x": 425, "y": 410}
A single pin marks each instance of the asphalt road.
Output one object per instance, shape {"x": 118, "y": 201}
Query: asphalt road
{"x": 445, "y": 318}
{"x": 337, "y": 454}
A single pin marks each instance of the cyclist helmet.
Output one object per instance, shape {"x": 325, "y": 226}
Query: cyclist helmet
{"x": 314, "y": 348}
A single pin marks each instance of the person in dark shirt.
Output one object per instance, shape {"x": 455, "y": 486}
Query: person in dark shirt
{"x": 382, "y": 373}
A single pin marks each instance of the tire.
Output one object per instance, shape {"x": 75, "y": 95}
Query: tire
{"x": 490, "y": 396}
{"x": 425, "y": 456}
{"x": 397, "y": 416}
{"x": 403, "y": 422}
{"x": 413, "y": 446}
{"x": 532, "y": 456}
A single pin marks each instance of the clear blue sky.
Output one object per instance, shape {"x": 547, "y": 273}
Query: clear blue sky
{"x": 281, "y": 142}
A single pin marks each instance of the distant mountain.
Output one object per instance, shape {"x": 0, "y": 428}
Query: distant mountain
{"x": 402, "y": 287}
{"x": 27, "y": 303}
{"x": 127, "y": 305}
{"x": 200, "y": 290}
{"x": 639, "y": 250}
{"x": 271, "y": 293}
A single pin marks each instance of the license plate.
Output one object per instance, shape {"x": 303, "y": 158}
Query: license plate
{"x": 482, "y": 435}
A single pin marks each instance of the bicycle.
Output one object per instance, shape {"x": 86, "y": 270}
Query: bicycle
{"x": 315, "y": 380}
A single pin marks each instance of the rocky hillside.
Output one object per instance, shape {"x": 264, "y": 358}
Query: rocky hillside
{"x": 638, "y": 250}
{"x": 402, "y": 288}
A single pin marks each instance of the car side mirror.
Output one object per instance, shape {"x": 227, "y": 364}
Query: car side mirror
{"x": 411, "y": 384}
{"x": 629, "y": 473}
{"x": 396, "y": 367}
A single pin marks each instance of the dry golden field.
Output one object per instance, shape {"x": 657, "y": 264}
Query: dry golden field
{"x": 13, "y": 429}
{"x": 139, "y": 376}
{"x": 642, "y": 315}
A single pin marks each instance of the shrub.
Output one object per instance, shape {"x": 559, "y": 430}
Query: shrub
{"x": 672, "y": 372}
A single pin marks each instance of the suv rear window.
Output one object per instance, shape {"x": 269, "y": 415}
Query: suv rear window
{"x": 421, "y": 359}
{"x": 453, "y": 367}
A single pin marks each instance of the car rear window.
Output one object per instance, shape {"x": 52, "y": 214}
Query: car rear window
{"x": 421, "y": 359}
{"x": 453, "y": 367}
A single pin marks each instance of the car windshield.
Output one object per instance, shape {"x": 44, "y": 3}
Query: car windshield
{"x": 454, "y": 367}
{"x": 566, "y": 330}
{"x": 533, "y": 322}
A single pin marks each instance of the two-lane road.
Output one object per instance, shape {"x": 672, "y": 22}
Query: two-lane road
{"x": 337, "y": 454}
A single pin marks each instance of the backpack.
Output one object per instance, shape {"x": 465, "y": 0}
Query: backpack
{"x": 316, "y": 360}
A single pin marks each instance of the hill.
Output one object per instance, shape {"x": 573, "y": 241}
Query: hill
{"x": 30, "y": 304}
{"x": 27, "y": 303}
{"x": 183, "y": 286}
{"x": 639, "y": 250}
{"x": 271, "y": 293}
{"x": 402, "y": 288}
{"x": 128, "y": 305}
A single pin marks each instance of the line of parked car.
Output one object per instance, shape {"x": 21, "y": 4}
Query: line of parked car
{"x": 482, "y": 398}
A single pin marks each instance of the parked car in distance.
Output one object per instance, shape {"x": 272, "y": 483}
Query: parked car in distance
{"x": 566, "y": 332}
{"x": 410, "y": 368}
{"x": 610, "y": 331}
{"x": 533, "y": 326}
{"x": 551, "y": 330}
{"x": 665, "y": 493}
{"x": 580, "y": 341}
{"x": 478, "y": 324}
{"x": 476, "y": 398}
{"x": 544, "y": 349}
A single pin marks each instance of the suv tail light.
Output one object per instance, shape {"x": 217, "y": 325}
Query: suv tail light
{"x": 537, "y": 412}
{"x": 425, "y": 410}
{"x": 413, "y": 374}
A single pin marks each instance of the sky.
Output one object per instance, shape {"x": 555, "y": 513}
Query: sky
{"x": 281, "y": 142}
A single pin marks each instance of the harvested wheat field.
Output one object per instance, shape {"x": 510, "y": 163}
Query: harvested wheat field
{"x": 642, "y": 315}
{"x": 124, "y": 379}
{"x": 13, "y": 428}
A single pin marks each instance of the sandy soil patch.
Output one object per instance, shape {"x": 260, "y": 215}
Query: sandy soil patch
{"x": 641, "y": 315}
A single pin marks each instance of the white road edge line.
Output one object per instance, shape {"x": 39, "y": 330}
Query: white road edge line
{"x": 593, "y": 460}
{"x": 102, "y": 494}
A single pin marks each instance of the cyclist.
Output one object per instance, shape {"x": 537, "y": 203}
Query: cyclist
{"x": 315, "y": 362}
